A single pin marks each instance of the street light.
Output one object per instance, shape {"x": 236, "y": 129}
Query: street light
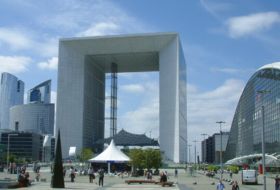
{"x": 8, "y": 149}
{"x": 262, "y": 92}
{"x": 221, "y": 157}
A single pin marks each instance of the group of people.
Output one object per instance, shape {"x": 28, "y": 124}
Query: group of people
{"x": 277, "y": 183}
{"x": 221, "y": 186}
{"x": 23, "y": 178}
{"x": 90, "y": 174}
{"x": 163, "y": 177}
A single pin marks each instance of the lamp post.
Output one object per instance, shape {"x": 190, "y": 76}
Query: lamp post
{"x": 262, "y": 92}
{"x": 203, "y": 153}
{"x": 8, "y": 150}
{"x": 221, "y": 157}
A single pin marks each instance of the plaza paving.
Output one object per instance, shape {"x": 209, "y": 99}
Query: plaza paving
{"x": 183, "y": 182}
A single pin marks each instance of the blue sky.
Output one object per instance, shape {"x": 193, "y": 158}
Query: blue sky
{"x": 224, "y": 43}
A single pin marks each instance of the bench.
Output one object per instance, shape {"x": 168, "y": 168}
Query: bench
{"x": 167, "y": 183}
{"x": 139, "y": 181}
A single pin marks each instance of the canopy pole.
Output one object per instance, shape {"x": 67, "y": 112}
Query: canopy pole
{"x": 109, "y": 167}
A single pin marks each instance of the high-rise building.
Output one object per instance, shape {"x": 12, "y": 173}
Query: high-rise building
{"x": 40, "y": 93}
{"x": 212, "y": 147}
{"x": 11, "y": 93}
{"x": 261, "y": 96}
{"x": 33, "y": 117}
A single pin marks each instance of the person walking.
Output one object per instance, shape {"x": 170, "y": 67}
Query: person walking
{"x": 176, "y": 172}
{"x": 220, "y": 185}
{"x": 91, "y": 174}
{"x": 235, "y": 186}
{"x": 101, "y": 176}
{"x": 277, "y": 183}
{"x": 72, "y": 174}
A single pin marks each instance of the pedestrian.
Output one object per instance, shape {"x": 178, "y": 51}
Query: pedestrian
{"x": 176, "y": 172}
{"x": 277, "y": 183}
{"x": 163, "y": 177}
{"x": 72, "y": 174}
{"x": 235, "y": 186}
{"x": 220, "y": 185}
{"x": 101, "y": 176}
{"x": 230, "y": 174}
{"x": 91, "y": 175}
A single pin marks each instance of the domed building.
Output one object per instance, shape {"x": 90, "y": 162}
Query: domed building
{"x": 262, "y": 90}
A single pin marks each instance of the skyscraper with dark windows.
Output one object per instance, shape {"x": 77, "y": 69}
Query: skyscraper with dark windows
{"x": 11, "y": 94}
{"x": 40, "y": 93}
{"x": 262, "y": 92}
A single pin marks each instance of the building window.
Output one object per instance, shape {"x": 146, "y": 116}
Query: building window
{"x": 18, "y": 86}
{"x": 16, "y": 125}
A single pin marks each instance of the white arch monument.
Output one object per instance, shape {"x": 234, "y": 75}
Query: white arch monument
{"x": 83, "y": 63}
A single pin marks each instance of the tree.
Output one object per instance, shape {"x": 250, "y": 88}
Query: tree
{"x": 137, "y": 157}
{"x": 149, "y": 158}
{"x": 57, "y": 177}
{"x": 155, "y": 159}
{"x": 86, "y": 154}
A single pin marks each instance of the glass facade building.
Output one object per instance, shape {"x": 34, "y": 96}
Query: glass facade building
{"x": 40, "y": 93}
{"x": 246, "y": 129}
{"x": 34, "y": 117}
{"x": 11, "y": 93}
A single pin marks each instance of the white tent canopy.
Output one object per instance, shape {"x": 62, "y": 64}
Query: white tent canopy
{"x": 111, "y": 154}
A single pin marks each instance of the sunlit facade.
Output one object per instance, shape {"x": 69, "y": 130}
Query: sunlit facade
{"x": 11, "y": 94}
{"x": 246, "y": 129}
{"x": 83, "y": 63}
{"x": 33, "y": 117}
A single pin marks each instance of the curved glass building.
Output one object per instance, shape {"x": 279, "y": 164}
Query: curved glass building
{"x": 246, "y": 129}
{"x": 40, "y": 93}
{"x": 34, "y": 117}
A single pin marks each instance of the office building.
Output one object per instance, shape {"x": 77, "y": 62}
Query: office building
{"x": 11, "y": 93}
{"x": 40, "y": 93}
{"x": 83, "y": 63}
{"x": 33, "y": 117}
{"x": 212, "y": 148}
{"x": 246, "y": 128}
{"x": 26, "y": 146}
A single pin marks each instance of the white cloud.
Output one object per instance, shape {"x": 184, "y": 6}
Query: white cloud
{"x": 23, "y": 39}
{"x": 47, "y": 47}
{"x": 50, "y": 64}
{"x": 250, "y": 24}
{"x": 14, "y": 64}
{"x": 205, "y": 108}
{"x": 101, "y": 28}
{"x": 143, "y": 119}
{"x": 14, "y": 39}
{"x": 214, "y": 8}
{"x": 133, "y": 88}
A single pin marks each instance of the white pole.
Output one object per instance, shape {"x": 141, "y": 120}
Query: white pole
{"x": 109, "y": 167}
{"x": 8, "y": 153}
